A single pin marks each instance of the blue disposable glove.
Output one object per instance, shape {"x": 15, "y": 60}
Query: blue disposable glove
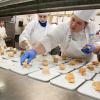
{"x": 88, "y": 49}
{"x": 28, "y": 55}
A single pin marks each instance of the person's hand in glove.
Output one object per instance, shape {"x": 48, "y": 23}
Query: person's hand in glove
{"x": 28, "y": 55}
{"x": 88, "y": 49}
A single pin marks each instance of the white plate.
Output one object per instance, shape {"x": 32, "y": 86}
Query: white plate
{"x": 62, "y": 62}
{"x": 87, "y": 76}
{"x": 39, "y": 64}
{"x": 21, "y": 70}
{"x": 62, "y": 82}
{"x": 6, "y": 64}
{"x": 88, "y": 89}
{"x": 59, "y": 62}
{"x": 40, "y": 76}
{"x": 41, "y": 58}
{"x": 96, "y": 70}
{"x": 66, "y": 70}
{"x": 76, "y": 66}
{"x": 4, "y": 57}
{"x": 94, "y": 57}
{"x": 17, "y": 59}
{"x": 97, "y": 77}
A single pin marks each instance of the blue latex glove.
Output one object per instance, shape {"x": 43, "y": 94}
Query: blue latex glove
{"x": 88, "y": 49}
{"x": 28, "y": 55}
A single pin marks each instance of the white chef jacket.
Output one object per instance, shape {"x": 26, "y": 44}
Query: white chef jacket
{"x": 2, "y": 35}
{"x": 71, "y": 44}
{"x": 33, "y": 32}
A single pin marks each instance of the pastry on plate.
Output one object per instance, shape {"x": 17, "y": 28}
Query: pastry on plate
{"x": 82, "y": 71}
{"x": 15, "y": 50}
{"x": 10, "y": 54}
{"x": 96, "y": 85}
{"x": 61, "y": 66}
{"x": 64, "y": 57}
{"x": 12, "y": 49}
{"x": 96, "y": 63}
{"x": 56, "y": 58}
{"x": 72, "y": 62}
{"x": 70, "y": 77}
{"x": 79, "y": 60}
{"x": 45, "y": 70}
{"x": 45, "y": 63}
{"x": 1, "y": 51}
{"x": 25, "y": 64}
{"x": 90, "y": 67}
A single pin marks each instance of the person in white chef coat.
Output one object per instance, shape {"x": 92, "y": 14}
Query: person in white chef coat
{"x": 71, "y": 36}
{"x": 34, "y": 31}
{"x": 3, "y": 34}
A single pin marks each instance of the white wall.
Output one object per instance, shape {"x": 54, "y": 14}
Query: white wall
{"x": 25, "y": 18}
{"x": 97, "y": 22}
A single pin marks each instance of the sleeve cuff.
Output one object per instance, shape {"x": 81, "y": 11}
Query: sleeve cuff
{"x": 22, "y": 39}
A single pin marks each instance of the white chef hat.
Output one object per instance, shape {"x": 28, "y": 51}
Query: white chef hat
{"x": 85, "y": 14}
{"x": 43, "y": 14}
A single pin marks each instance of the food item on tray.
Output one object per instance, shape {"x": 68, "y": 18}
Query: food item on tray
{"x": 25, "y": 64}
{"x": 14, "y": 50}
{"x": 61, "y": 66}
{"x": 75, "y": 61}
{"x": 70, "y": 77}
{"x": 45, "y": 70}
{"x": 96, "y": 85}
{"x": 10, "y": 54}
{"x": 1, "y": 51}
{"x": 56, "y": 58}
{"x": 72, "y": 62}
{"x": 11, "y": 51}
{"x": 45, "y": 63}
{"x": 64, "y": 57}
{"x": 96, "y": 63}
{"x": 90, "y": 67}
{"x": 79, "y": 60}
{"x": 82, "y": 71}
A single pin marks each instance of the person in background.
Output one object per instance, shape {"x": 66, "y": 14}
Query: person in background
{"x": 34, "y": 31}
{"x": 71, "y": 36}
{"x": 3, "y": 34}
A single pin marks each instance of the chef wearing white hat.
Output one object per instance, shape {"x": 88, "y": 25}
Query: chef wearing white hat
{"x": 34, "y": 31}
{"x": 71, "y": 36}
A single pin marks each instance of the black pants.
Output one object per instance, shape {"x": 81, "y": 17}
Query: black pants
{"x": 55, "y": 51}
{"x": 16, "y": 38}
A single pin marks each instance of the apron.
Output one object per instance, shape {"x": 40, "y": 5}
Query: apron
{"x": 38, "y": 32}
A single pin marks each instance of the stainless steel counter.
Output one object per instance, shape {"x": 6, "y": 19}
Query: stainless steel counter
{"x": 18, "y": 87}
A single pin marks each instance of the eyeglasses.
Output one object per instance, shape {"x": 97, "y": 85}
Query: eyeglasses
{"x": 42, "y": 16}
